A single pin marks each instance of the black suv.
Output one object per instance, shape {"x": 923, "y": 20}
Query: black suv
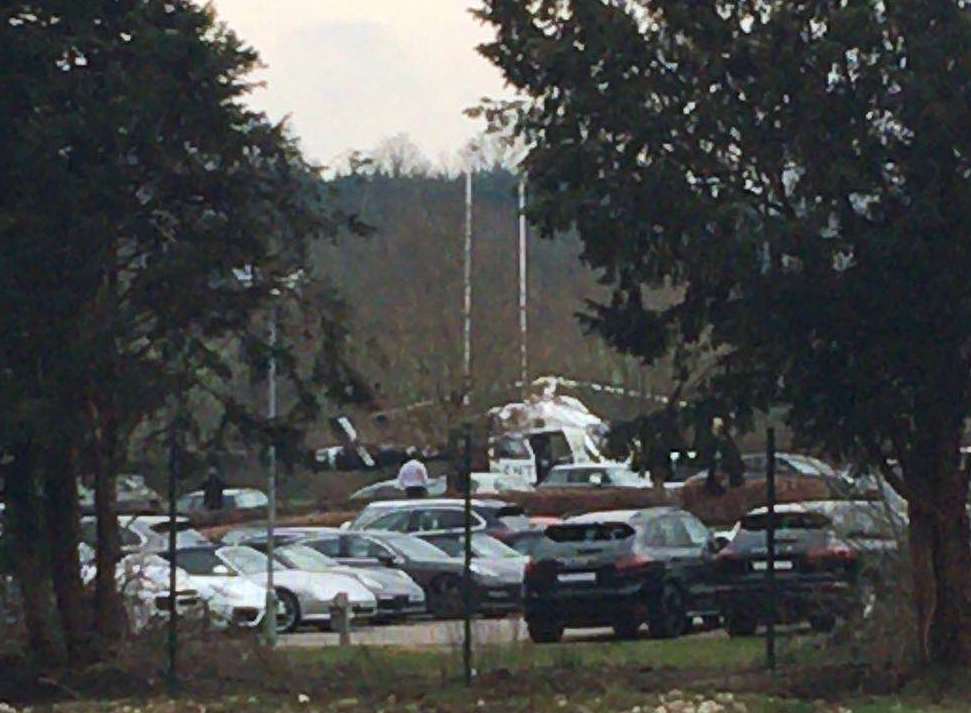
{"x": 622, "y": 570}
{"x": 819, "y": 574}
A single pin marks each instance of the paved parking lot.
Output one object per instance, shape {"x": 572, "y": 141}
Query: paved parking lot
{"x": 445, "y": 634}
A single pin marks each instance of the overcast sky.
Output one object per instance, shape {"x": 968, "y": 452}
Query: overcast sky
{"x": 352, "y": 72}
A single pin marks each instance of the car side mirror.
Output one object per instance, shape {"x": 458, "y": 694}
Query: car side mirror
{"x": 221, "y": 570}
{"x": 596, "y": 480}
{"x": 387, "y": 560}
{"x": 346, "y": 525}
{"x": 718, "y": 544}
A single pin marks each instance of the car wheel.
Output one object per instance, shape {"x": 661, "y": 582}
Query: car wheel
{"x": 289, "y": 619}
{"x": 822, "y": 623}
{"x": 626, "y": 628}
{"x": 544, "y": 631}
{"x": 446, "y": 598}
{"x": 668, "y": 615}
{"x": 740, "y": 624}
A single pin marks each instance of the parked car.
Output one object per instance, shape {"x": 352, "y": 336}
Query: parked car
{"x": 306, "y": 597}
{"x": 230, "y": 600}
{"x": 441, "y": 516}
{"x": 233, "y": 499}
{"x": 485, "y": 549}
{"x": 392, "y": 490}
{"x": 593, "y": 475}
{"x": 493, "y": 591}
{"x": 145, "y": 533}
{"x": 133, "y": 496}
{"x": 786, "y": 464}
{"x": 817, "y": 572}
{"x": 526, "y": 542}
{"x": 601, "y": 569}
{"x": 143, "y": 582}
{"x": 398, "y": 595}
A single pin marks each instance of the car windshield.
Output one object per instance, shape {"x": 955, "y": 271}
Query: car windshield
{"x": 413, "y": 548}
{"x": 759, "y": 522}
{"x": 304, "y": 558}
{"x": 246, "y": 560}
{"x": 186, "y": 534}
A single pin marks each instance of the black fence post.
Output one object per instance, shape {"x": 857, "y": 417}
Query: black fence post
{"x": 467, "y": 569}
{"x": 770, "y": 549}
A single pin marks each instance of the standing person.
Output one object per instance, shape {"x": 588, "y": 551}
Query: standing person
{"x": 413, "y": 477}
{"x": 213, "y": 490}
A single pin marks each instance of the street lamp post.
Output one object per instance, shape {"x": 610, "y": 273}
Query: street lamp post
{"x": 269, "y": 619}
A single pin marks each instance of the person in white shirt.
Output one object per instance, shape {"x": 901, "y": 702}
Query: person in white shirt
{"x": 413, "y": 477}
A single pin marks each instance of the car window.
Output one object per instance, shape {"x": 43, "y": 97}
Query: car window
{"x": 584, "y": 476}
{"x": 414, "y": 548}
{"x": 666, "y": 532}
{"x": 511, "y": 448}
{"x": 363, "y": 548}
{"x": 395, "y": 521}
{"x": 198, "y": 562}
{"x": 440, "y": 519}
{"x": 247, "y": 560}
{"x": 698, "y": 534}
{"x": 330, "y": 546}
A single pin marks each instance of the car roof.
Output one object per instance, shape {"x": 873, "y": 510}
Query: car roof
{"x": 591, "y": 465}
{"x": 814, "y": 506}
{"x": 437, "y": 502}
{"x": 128, "y": 520}
{"x": 620, "y": 515}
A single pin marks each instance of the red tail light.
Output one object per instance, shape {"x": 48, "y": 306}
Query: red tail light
{"x": 631, "y": 563}
{"x": 833, "y": 553}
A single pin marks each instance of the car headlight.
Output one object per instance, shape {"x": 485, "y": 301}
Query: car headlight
{"x": 370, "y": 582}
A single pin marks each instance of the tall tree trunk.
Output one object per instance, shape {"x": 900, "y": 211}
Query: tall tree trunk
{"x": 24, "y": 520}
{"x": 62, "y": 513}
{"x": 940, "y": 550}
{"x": 109, "y": 619}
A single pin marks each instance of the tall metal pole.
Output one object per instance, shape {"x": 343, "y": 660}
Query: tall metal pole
{"x": 523, "y": 345}
{"x": 269, "y": 620}
{"x": 770, "y": 547}
{"x": 467, "y": 354}
{"x": 467, "y": 569}
{"x": 174, "y": 462}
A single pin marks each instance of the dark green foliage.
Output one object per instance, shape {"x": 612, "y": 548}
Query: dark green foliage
{"x": 799, "y": 171}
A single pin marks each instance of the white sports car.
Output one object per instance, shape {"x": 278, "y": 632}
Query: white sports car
{"x": 305, "y": 597}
